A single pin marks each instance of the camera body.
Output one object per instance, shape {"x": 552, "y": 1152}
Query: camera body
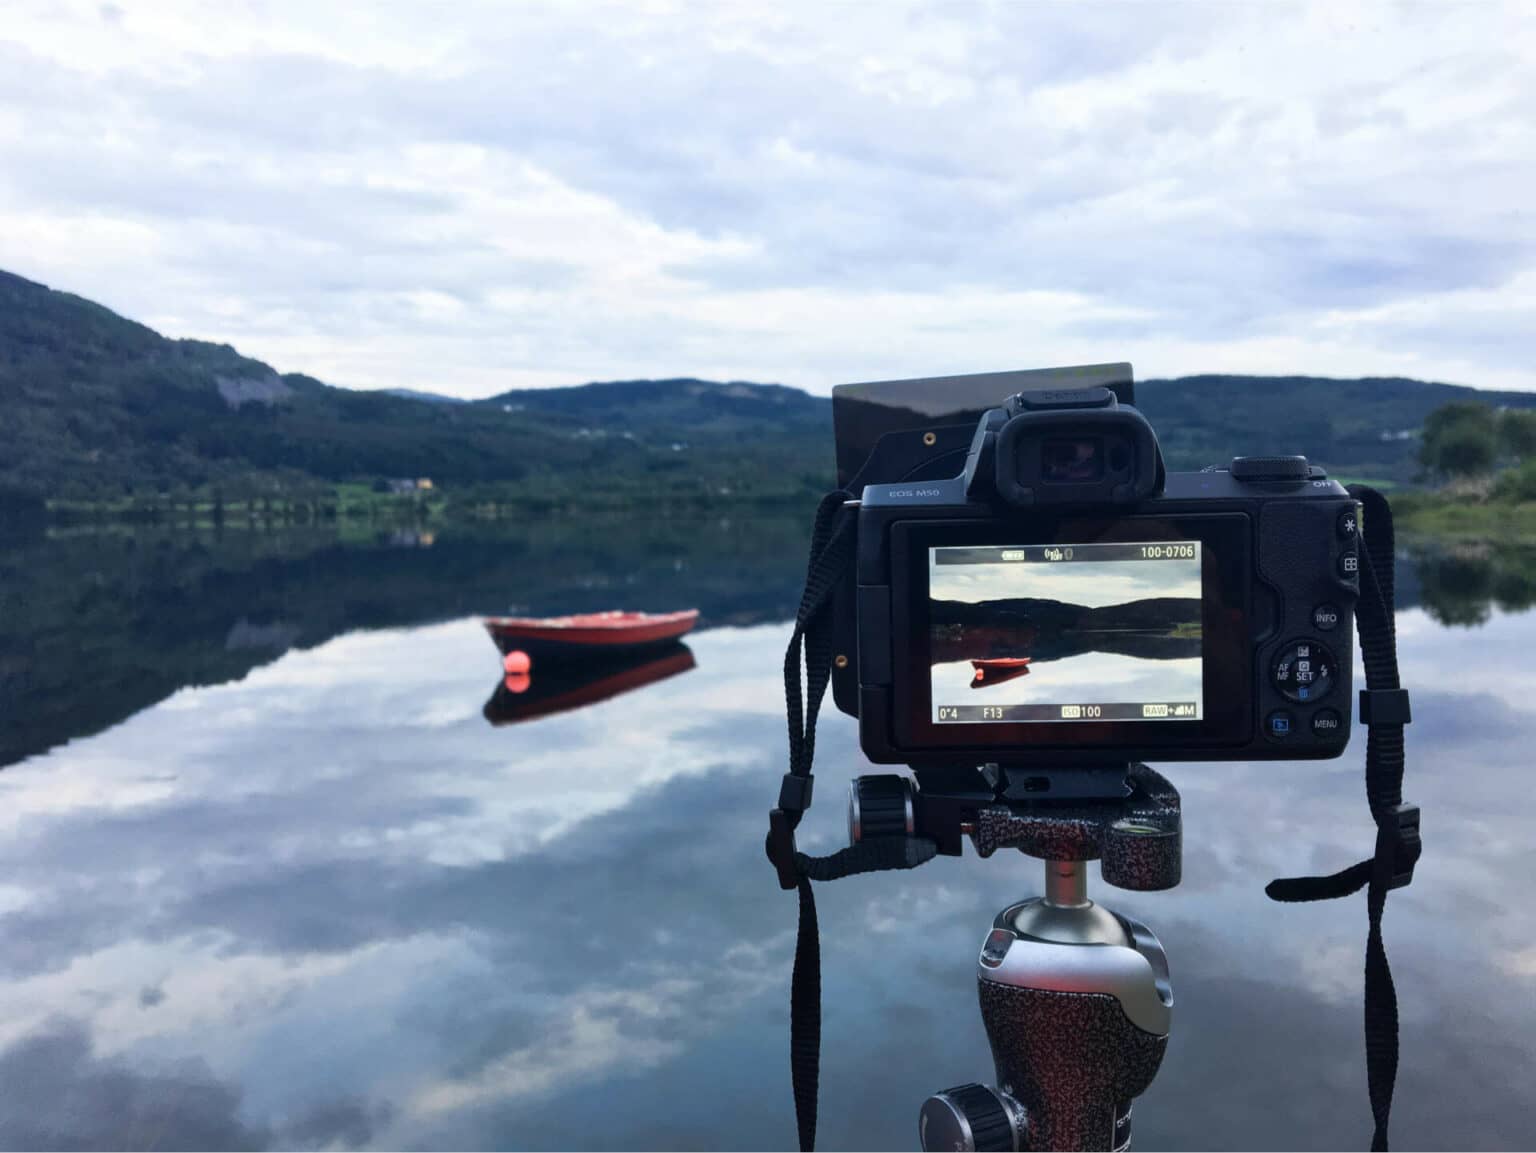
{"x": 1065, "y": 602}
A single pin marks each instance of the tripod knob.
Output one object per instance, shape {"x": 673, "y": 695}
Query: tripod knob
{"x": 1142, "y": 854}
{"x": 971, "y": 1118}
{"x": 880, "y": 806}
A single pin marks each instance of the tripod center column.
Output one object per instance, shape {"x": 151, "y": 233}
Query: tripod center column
{"x": 1066, "y": 884}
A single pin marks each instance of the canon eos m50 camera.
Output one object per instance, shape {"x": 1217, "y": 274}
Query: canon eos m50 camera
{"x": 1033, "y": 588}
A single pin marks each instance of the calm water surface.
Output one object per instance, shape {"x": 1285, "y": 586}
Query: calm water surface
{"x": 327, "y": 904}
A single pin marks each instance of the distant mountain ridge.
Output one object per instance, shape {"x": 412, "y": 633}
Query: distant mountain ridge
{"x": 1153, "y": 628}
{"x": 98, "y": 407}
{"x": 94, "y": 406}
{"x": 423, "y": 395}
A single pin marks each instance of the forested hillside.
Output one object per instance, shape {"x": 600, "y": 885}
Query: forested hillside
{"x": 97, "y": 407}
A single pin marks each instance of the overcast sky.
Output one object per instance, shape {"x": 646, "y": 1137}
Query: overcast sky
{"x": 468, "y": 198}
{"x": 1092, "y": 584}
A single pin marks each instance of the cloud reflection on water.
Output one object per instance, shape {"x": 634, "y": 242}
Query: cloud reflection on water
{"x": 365, "y": 916}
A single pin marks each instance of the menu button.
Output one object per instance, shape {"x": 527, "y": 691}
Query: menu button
{"x": 1327, "y": 724}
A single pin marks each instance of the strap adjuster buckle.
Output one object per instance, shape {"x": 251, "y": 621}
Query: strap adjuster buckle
{"x": 781, "y": 848}
{"x": 1398, "y": 845}
{"x": 795, "y": 792}
{"x": 1384, "y": 707}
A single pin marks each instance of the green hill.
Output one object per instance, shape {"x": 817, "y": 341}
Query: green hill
{"x": 1366, "y": 427}
{"x": 96, "y": 407}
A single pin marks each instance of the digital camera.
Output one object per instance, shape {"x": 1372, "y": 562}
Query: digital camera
{"x": 1032, "y": 588}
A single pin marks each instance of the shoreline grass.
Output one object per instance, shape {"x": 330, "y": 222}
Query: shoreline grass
{"x": 1420, "y": 512}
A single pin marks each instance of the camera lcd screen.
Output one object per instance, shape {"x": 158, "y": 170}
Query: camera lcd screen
{"x": 1063, "y": 633}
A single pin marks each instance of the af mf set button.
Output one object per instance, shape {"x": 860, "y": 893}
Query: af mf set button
{"x": 1304, "y": 672}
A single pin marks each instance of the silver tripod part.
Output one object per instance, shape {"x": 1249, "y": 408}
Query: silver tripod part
{"x": 1077, "y": 1005}
{"x": 1065, "y": 915}
{"x": 1065, "y": 943}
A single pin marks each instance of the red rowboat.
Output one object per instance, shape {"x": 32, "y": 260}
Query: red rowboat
{"x": 996, "y": 670}
{"x": 587, "y": 635}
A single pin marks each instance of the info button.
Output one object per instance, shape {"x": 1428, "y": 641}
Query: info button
{"x": 1325, "y": 618}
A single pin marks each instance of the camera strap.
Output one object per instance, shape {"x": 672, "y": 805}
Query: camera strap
{"x": 833, "y": 540}
{"x": 1383, "y": 709}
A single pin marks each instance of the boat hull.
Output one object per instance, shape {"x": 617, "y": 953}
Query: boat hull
{"x": 588, "y": 638}
{"x": 996, "y": 670}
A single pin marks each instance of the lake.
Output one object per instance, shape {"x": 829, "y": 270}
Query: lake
{"x": 272, "y": 878}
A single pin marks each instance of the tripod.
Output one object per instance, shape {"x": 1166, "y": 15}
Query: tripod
{"x": 1075, "y": 999}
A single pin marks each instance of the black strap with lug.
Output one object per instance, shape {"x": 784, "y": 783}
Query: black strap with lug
{"x": 1384, "y": 711}
{"x": 832, "y": 544}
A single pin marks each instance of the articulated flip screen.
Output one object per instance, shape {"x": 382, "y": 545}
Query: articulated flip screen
{"x": 1066, "y": 632}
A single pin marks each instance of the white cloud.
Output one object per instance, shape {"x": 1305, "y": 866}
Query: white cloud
{"x": 549, "y": 194}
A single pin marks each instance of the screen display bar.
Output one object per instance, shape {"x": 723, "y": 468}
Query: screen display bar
{"x": 1068, "y": 553}
{"x": 1115, "y": 711}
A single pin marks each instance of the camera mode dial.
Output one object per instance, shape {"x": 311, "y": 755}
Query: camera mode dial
{"x": 1270, "y": 468}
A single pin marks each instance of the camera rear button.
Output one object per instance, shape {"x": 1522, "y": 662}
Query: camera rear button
{"x": 1325, "y": 618}
{"x": 1304, "y": 672}
{"x": 1280, "y": 724}
{"x": 1327, "y": 724}
{"x": 1349, "y": 565}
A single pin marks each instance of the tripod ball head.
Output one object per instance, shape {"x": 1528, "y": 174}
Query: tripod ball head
{"x": 1078, "y": 1007}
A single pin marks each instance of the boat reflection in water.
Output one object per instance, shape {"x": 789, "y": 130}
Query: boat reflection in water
{"x": 552, "y": 687}
{"x": 996, "y": 670}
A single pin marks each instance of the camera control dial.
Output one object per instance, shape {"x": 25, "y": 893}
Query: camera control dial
{"x": 1270, "y": 468}
{"x": 1304, "y": 672}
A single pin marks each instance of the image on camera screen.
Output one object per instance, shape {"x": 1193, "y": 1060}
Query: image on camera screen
{"x": 1065, "y": 632}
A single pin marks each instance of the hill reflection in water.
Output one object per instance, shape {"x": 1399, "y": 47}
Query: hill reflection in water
{"x": 325, "y": 904}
